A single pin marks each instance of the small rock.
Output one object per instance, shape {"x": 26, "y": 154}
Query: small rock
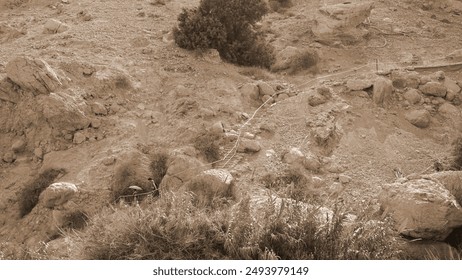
{"x": 79, "y": 137}
{"x": 356, "y": 84}
{"x": 267, "y": 99}
{"x": 405, "y": 79}
{"x": 434, "y": 89}
{"x": 420, "y": 118}
{"x": 9, "y": 157}
{"x": 38, "y": 152}
{"x": 249, "y": 135}
{"x": 99, "y": 109}
{"x": 109, "y": 161}
{"x": 282, "y": 96}
{"x": 316, "y": 99}
{"x": 250, "y": 90}
{"x": 311, "y": 162}
{"x": 317, "y": 182}
{"x": 18, "y": 146}
{"x": 294, "y": 156}
{"x": 344, "y": 179}
{"x": 449, "y": 111}
{"x": 452, "y": 87}
{"x": 53, "y": 26}
{"x": 96, "y": 123}
{"x": 217, "y": 128}
{"x": 383, "y": 89}
{"x": 265, "y": 89}
{"x": 413, "y": 96}
{"x": 248, "y": 146}
{"x": 57, "y": 194}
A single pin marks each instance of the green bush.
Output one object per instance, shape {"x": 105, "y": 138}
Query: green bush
{"x": 228, "y": 26}
{"x": 30, "y": 194}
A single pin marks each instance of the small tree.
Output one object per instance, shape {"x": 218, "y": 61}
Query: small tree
{"x": 229, "y": 27}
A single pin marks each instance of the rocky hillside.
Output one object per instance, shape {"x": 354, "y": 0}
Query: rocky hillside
{"x": 99, "y": 107}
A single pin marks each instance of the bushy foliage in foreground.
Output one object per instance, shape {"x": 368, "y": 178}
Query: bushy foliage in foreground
{"x": 171, "y": 227}
{"x": 229, "y": 27}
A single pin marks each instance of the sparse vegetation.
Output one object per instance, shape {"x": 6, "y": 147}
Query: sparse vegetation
{"x": 278, "y": 5}
{"x": 228, "y": 26}
{"x": 125, "y": 177}
{"x": 208, "y": 144}
{"x": 457, "y": 154}
{"x": 291, "y": 184}
{"x": 208, "y": 191}
{"x": 30, "y": 194}
{"x": 158, "y": 167}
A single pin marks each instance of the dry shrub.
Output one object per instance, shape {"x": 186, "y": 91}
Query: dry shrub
{"x": 279, "y": 5}
{"x": 171, "y": 228}
{"x": 293, "y": 184}
{"x": 457, "y": 154}
{"x": 208, "y": 144}
{"x": 75, "y": 220}
{"x": 159, "y": 166}
{"x": 128, "y": 175}
{"x": 294, "y": 232}
{"x": 208, "y": 191}
{"x": 304, "y": 60}
{"x": 29, "y": 196}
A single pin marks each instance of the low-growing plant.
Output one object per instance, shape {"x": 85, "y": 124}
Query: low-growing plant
{"x": 158, "y": 166}
{"x": 457, "y": 154}
{"x": 293, "y": 184}
{"x": 278, "y": 5}
{"x": 29, "y": 196}
{"x": 208, "y": 144}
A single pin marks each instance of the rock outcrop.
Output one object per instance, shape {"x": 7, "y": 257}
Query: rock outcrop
{"x": 33, "y": 74}
{"x": 421, "y": 208}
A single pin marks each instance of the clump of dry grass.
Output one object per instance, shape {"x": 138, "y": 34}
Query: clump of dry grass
{"x": 208, "y": 144}
{"x": 29, "y": 196}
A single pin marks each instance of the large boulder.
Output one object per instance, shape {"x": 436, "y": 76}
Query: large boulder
{"x": 451, "y": 180}
{"x": 421, "y": 208}
{"x": 33, "y": 74}
{"x": 341, "y": 20}
{"x": 57, "y": 194}
{"x": 64, "y": 111}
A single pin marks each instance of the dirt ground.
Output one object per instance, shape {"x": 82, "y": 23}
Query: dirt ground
{"x": 146, "y": 108}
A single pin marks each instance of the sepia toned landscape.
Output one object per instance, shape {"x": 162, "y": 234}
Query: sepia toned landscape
{"x": 212, "y": 129}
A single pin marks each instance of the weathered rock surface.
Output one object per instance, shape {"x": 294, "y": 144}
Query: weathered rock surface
{"x": 210, "y": 184}
{"x": 422, "y": 208}
{"x": 248, "y": 146}
{"x": 57, "y": 194}
{"x": 383, "y": 89}
{"x": 181, "y": 169}
{"x": 64, "y": 111}
{"x": 420, "y": 118}
{"x": 55, "y": 26}
{"x": 405, "y": 79}
{"x": 413, "y": 96}
{"x": 341, "y": 20}
{"x": 433, "y": 89}
{"x": 357, "y": 84}
{"x": 33, "y": 74}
